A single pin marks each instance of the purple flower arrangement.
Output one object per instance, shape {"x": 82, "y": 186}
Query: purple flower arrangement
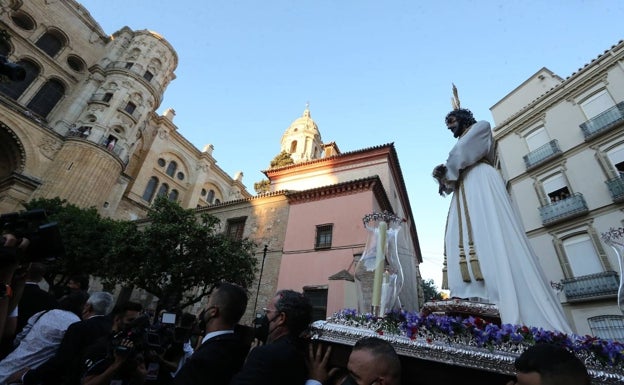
{"x": 478, "y": 332}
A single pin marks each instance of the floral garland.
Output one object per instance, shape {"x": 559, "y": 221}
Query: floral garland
{"x": 477, "y": 331}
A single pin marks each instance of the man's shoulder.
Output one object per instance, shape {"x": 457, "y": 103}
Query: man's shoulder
{"x": 91, "y": 324}
{"x": 224, "y": 340}
{"x": 285, "y": 347}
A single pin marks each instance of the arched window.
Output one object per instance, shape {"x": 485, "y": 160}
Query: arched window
{"x": 210, "y": 197}
{"x": 47, "y": 97}
{"x": 51, "y": 42}
{"x": 171, "y": 168}
{"x": 163, "y": 190}
{"x": 148, "y": 194}
{"x": 15, "y": 89}
{"x": 293, "y": 147}
{"x": 130, "y": 107}
{"x": 173, "y": 195}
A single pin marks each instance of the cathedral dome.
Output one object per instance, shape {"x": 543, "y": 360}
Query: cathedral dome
{"x": 302, "y": 139}
{"x": 303, "y": 124}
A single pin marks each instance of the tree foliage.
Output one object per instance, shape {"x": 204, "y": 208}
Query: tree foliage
{"x": 174, "y": 254}
{"x": 430, "y": 290}
{"x": 263, "y": 186}
{"x": 178, "y": 255}
{"x": 282, "y": 159}
{"x": 87, "y": 239}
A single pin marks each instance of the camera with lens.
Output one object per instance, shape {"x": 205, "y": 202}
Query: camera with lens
{"x": 45, "y": 243}
{"x": 145, "y": 339}
{"x": 12, "y": 71}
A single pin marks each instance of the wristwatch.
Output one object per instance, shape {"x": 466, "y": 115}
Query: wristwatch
{"x": 5, "y": 291}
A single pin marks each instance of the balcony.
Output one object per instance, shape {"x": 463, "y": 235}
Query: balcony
{"x": 101, "y": 97}
{"x": 603, "y": 122}
{"x": 135, "y": 115}
{"x": 540, "y": 155}
{"x": 616, "y": 188}
{"x": 591, "y": 287}
{"x": 114, "y": 148}
{"x": 138, "y": 71}
{"x": 564, "y": 209}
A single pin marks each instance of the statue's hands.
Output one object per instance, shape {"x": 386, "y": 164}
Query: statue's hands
{"x": 439, "y": 172}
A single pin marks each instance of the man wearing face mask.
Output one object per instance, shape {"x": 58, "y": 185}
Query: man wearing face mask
{"x": 282, "y": 360}
{"x": 222, "y": 352}
{"x": 372, "y": 361}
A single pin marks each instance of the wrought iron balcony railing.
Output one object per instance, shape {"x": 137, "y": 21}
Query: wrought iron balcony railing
{"x": 616, "y": 188}
{"x": 542, "y": 154}
{"x": 567, "y": 208}
{"x": 591, "y": 287}
{"x": 603, "y": 122}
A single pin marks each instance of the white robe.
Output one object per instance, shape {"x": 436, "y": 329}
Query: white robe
{"x": 513, "y": 277}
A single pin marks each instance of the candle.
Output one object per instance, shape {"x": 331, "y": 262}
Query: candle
{"x": 379, "y": 265}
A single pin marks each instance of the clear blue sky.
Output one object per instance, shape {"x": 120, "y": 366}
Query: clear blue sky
{"x": 374, "y": 72}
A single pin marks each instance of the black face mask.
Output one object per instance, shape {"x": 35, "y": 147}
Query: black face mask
{"x": 261, "y": 328}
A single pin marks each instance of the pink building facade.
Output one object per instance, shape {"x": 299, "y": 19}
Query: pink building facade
{"x": 325, "y": 236}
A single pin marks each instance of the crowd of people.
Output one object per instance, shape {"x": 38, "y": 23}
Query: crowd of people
{"x": 87, "y": 339}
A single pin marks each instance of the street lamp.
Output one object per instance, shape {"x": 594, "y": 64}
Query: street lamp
{"x": 264, "y": 253}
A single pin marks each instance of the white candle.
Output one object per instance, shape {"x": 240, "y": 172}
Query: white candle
{"x": 379, "y": 265}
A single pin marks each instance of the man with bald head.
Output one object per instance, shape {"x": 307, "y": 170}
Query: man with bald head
{"x": 373, "y": 361}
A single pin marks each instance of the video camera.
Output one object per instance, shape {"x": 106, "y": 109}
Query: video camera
{"x": 13, "y": 71}
{"x": 145, "y": 339}
{"x": 45, "y": 245}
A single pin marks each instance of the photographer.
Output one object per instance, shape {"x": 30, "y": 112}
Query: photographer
{"x": 10, "y": 246}
{"x": 78, "y": 337}
{"x": 119, "y": 356}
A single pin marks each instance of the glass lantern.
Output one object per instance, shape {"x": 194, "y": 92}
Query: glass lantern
{"x": 378, "y": 273}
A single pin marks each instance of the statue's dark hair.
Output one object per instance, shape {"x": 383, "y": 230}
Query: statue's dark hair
{"x": 463, "y": 116}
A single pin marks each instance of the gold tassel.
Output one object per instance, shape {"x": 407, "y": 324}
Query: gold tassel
{"x": 445, "y": 285}
{"x": 463, "y": 265}
{"x": 474, "y": 264}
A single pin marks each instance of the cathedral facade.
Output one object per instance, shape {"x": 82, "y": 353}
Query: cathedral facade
{"x": 83, "y": 126}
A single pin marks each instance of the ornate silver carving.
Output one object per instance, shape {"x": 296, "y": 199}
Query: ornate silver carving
{"x": 453, "y": 350}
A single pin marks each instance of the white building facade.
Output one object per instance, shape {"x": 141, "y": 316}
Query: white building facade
{"x": 561, "y": 151}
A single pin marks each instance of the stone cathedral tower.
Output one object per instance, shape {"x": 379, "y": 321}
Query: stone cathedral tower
{"x": 127, "y": 84}
{"x": 302, "y": 140}
{"x": 82, "y": 125}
